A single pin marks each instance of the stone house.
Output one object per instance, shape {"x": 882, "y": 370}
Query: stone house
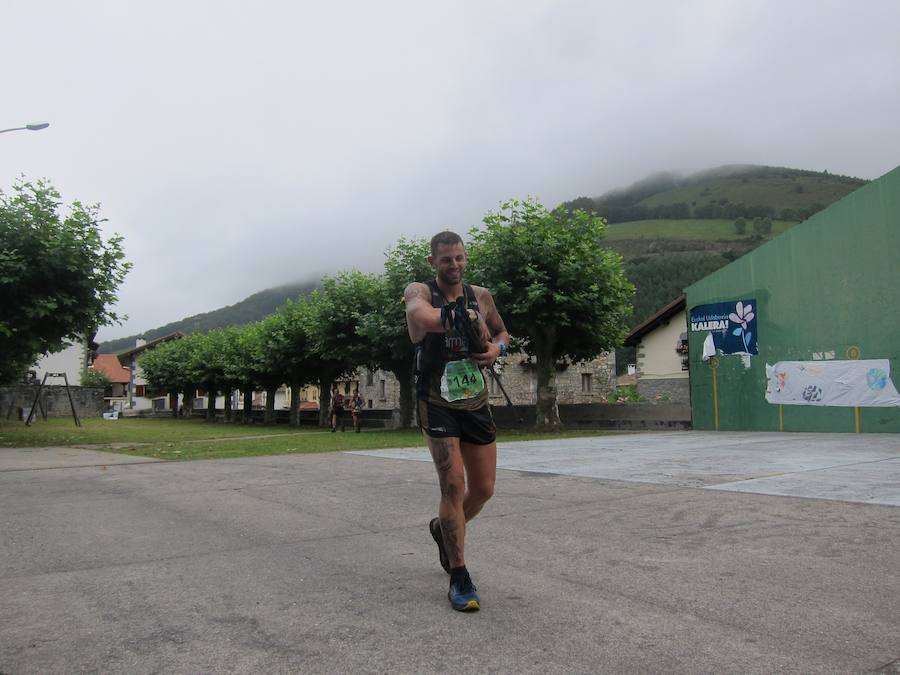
{"x": 662, "y": 356}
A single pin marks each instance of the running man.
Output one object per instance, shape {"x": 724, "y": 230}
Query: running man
{"x": 453, "y": 401}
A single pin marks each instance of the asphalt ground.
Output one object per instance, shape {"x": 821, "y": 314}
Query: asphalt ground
{"x": 678, "y": 553}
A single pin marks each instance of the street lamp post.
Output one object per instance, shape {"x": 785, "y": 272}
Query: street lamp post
{"x": 36, "y": 126}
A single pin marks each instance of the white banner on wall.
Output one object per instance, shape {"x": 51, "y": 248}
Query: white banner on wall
{"x": 864, "y": 383}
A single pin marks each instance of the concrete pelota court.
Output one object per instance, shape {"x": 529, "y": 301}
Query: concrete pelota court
{"x": 856, "y": 468}
{"x": 685, "y": 552}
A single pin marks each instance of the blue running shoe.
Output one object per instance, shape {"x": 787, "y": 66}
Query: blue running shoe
{"x": 462, "y": 594}
{"x": 435, "y": 528}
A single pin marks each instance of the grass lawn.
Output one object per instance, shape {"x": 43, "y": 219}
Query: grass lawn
{"x": 692, "y": 228}
{"x": 195, "y": 439}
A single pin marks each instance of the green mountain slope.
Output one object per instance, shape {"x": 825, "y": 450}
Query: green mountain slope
{"x": 785, "y": 193}
{"x": 724, "y": 192}
{"x": 673, "y": 230}
{"x": 248, "y": 310}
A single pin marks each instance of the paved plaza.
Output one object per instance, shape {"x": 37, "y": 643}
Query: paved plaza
{"x": 687, "y": 552}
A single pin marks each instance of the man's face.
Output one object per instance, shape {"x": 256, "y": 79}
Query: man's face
{"x": 449, "y": 263}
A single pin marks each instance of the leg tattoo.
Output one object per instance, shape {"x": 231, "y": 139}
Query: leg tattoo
{"x": 452, "y": 517}
{"x": 451, "y": 539}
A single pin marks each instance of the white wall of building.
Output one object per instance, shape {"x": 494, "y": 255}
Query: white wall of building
{"x": 657, "y": 358}
{"x": 70, "y": 361}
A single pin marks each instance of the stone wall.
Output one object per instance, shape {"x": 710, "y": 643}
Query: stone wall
{"x": 618, "y": 416}
{"x": 677, "y": 390}
{"x": 372, "y": 392}
{"x": 520, "y": 381}
{"x": 88, "y": 400}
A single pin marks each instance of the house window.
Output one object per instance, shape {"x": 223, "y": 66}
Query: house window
{"x": 586, "y": 383}
{"x": 370, "y": 403}
{"x": 346, "y": 387}
{"x": 370, "y": 378}
{"x": 140, "y": 390}
{"x": 381, "y": 389}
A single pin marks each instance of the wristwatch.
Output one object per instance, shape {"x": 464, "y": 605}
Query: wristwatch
{"x": 503, "y": 348}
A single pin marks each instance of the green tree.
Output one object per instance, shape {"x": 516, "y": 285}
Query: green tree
{"x": 208, "y": 361}
{"x": 241, "y": 365}
{"x": 58, "y": 277}
{"x": 740, "y": 226}
{"x": 265, "y": 361}
{"x": 94, "y": 378}
{"x": 298, "y": 365}
{"x": 169, "y": 367}
{"x": 563, "y": 296}
{"x": 762, "y": 226}
{"x": 332, "y": 319}
{"x": 384, "y": 324}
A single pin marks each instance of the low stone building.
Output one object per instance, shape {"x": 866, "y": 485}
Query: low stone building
{"x": 585, "y": 382}
{"x": 662, "y": 356}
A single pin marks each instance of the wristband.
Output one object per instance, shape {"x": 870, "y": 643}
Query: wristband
{"x": 503, "y": 348}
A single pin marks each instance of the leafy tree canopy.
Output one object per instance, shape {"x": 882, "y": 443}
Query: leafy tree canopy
{"x": 559, "y": 292}
{"x": 383, "y": 323}
{"x": 58, "y": 277}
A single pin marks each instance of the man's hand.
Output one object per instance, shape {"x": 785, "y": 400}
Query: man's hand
{"x": 486, "y": 359}
{"x": 480, "y": 326}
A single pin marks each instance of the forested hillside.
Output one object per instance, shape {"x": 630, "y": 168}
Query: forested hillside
{"x": 725, "y": 192}
{"x": 252, "y": 308}
{"x": 673, "y": 230}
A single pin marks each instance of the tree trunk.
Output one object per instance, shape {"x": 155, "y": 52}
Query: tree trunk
{"x": 173, "y": 403}
{"x": 248, "y": 405}
{"x": 269, "y": 417}
{"x": 295, "y": 405}
{"x": 406, "y": 378}
{"x": 227, "y": 395}
{"x": 211, "y": 405}
{"x": 187, "y": 402}
{"x": 325, "y": 401}
{"x": 546, "y": 408}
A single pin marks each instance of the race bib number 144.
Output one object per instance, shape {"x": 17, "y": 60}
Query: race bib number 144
{"x": 461, "y": 380}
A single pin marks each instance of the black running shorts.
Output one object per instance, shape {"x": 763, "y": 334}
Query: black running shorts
{"x": 470, "y": 426}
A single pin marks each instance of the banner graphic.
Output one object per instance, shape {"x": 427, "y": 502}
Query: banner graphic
{"x": 731, "y": 324}
{"x": 864, "y": 383}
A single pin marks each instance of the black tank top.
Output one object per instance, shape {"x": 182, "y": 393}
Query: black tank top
{"x": 435, "y": 350}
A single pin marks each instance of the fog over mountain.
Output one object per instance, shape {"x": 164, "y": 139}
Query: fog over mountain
{"x": 239, "y": 147}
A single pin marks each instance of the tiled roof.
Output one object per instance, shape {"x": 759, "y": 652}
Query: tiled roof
{"x": 109, "y": 365}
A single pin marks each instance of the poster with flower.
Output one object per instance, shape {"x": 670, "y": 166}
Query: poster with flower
{"x": 732, "y": 325}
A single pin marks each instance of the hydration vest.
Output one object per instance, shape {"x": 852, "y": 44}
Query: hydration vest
{"x": 435, "y": 350}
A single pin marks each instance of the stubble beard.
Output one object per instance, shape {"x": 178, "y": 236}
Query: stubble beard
{"x": 449, "y": 280}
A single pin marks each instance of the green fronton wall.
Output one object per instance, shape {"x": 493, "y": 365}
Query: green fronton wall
{"x": 827, "y": 284}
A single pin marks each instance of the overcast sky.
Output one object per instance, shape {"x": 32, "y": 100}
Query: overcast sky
{"x": 239, "y": 146}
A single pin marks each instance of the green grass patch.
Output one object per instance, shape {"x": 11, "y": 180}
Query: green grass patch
{"x": 63, "y": 432}
{"x": 691, "y": 228}
{"x": 795, "y": 191}
{"x": 190, "y": 439}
